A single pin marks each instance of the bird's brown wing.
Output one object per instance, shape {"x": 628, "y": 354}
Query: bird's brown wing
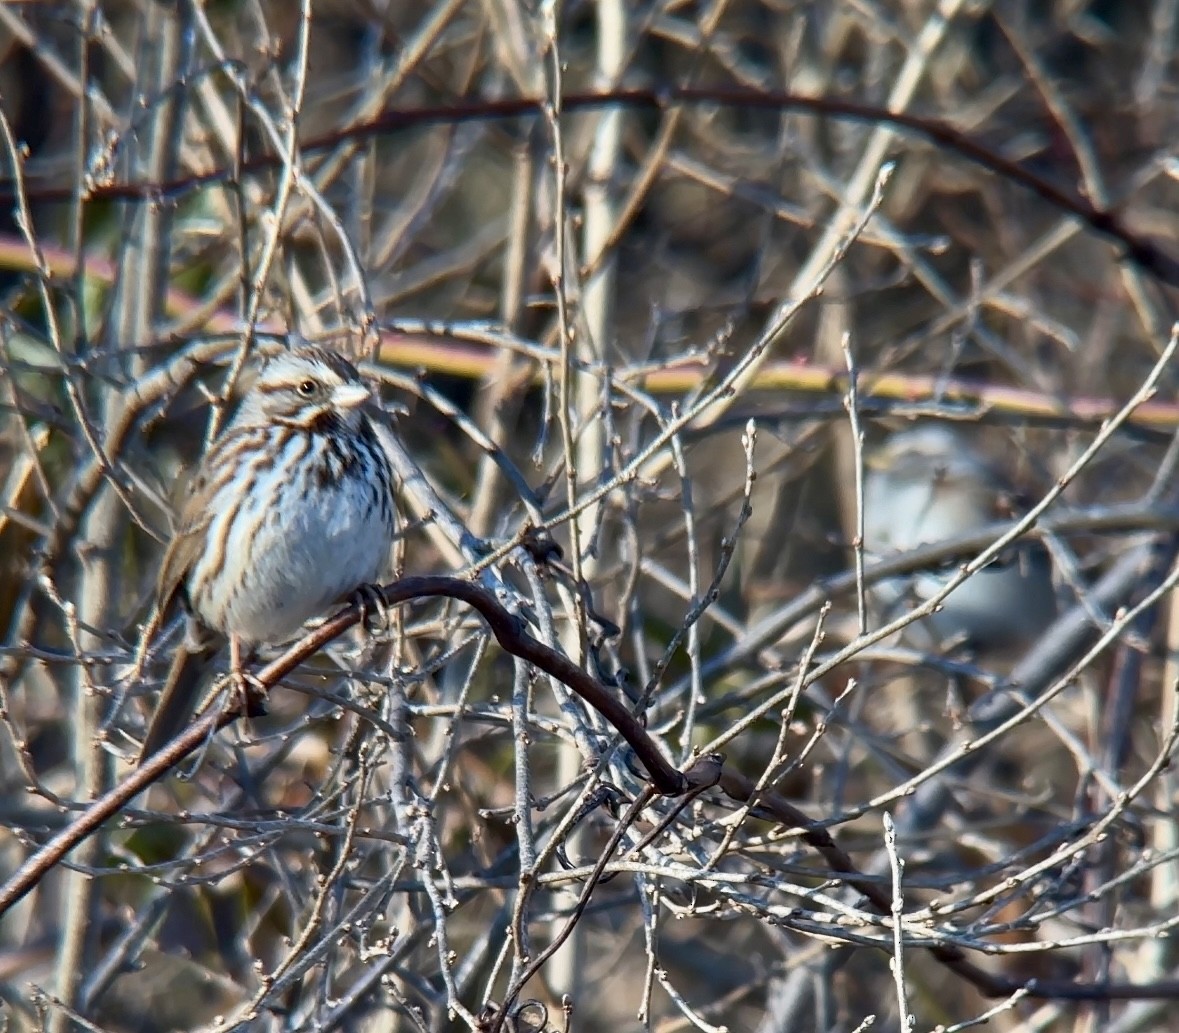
{"x": 182, "y": 553}
{"x": 188, "y": 540}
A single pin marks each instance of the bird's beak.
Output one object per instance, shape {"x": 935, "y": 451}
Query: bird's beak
{"x": 349, "y": 396}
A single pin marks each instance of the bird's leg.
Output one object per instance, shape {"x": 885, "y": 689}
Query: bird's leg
{"x": 250, "y": 693}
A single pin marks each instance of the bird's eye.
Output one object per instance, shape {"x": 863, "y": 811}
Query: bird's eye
{"x": 307, "y": 388}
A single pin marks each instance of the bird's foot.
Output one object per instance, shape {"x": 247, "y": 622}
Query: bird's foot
{"x": 249, "y": 694}
{"x": 374, "y": 614}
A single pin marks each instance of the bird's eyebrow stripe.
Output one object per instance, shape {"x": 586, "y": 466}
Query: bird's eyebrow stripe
{"x": 321, "y": 366}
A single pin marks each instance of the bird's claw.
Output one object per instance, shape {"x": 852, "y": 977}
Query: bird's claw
{"x": 249, "y": 694}
{"x": 374, "y": 614}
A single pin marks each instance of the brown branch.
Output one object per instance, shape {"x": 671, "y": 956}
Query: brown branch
{"x": 1146, "y": 253}
{"x": 706, "y": 771}
{"x": 508, "y": 630}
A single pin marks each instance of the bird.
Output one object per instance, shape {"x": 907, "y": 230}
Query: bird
{"x": 291, "y": 509}
{"x": 929, "y": 484}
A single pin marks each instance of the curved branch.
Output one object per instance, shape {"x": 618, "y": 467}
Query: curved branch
{"x": 1144, "y": 252}
{"x": 508, "y": 630}
{"x": 705, "y": 772}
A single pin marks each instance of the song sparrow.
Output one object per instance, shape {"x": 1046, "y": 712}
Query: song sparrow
{"x": 927, "y": 485}
{"x": 290, "y": 510}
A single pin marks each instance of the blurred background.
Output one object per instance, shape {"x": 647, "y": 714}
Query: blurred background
{"x": 700, "y": 339}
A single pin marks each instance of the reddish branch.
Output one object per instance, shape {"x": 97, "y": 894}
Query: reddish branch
{"x": 1144, "y": 252}
{"x": 705, "y": 772}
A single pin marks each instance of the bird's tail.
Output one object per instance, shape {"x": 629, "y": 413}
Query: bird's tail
{"x": 180, "y": 696}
